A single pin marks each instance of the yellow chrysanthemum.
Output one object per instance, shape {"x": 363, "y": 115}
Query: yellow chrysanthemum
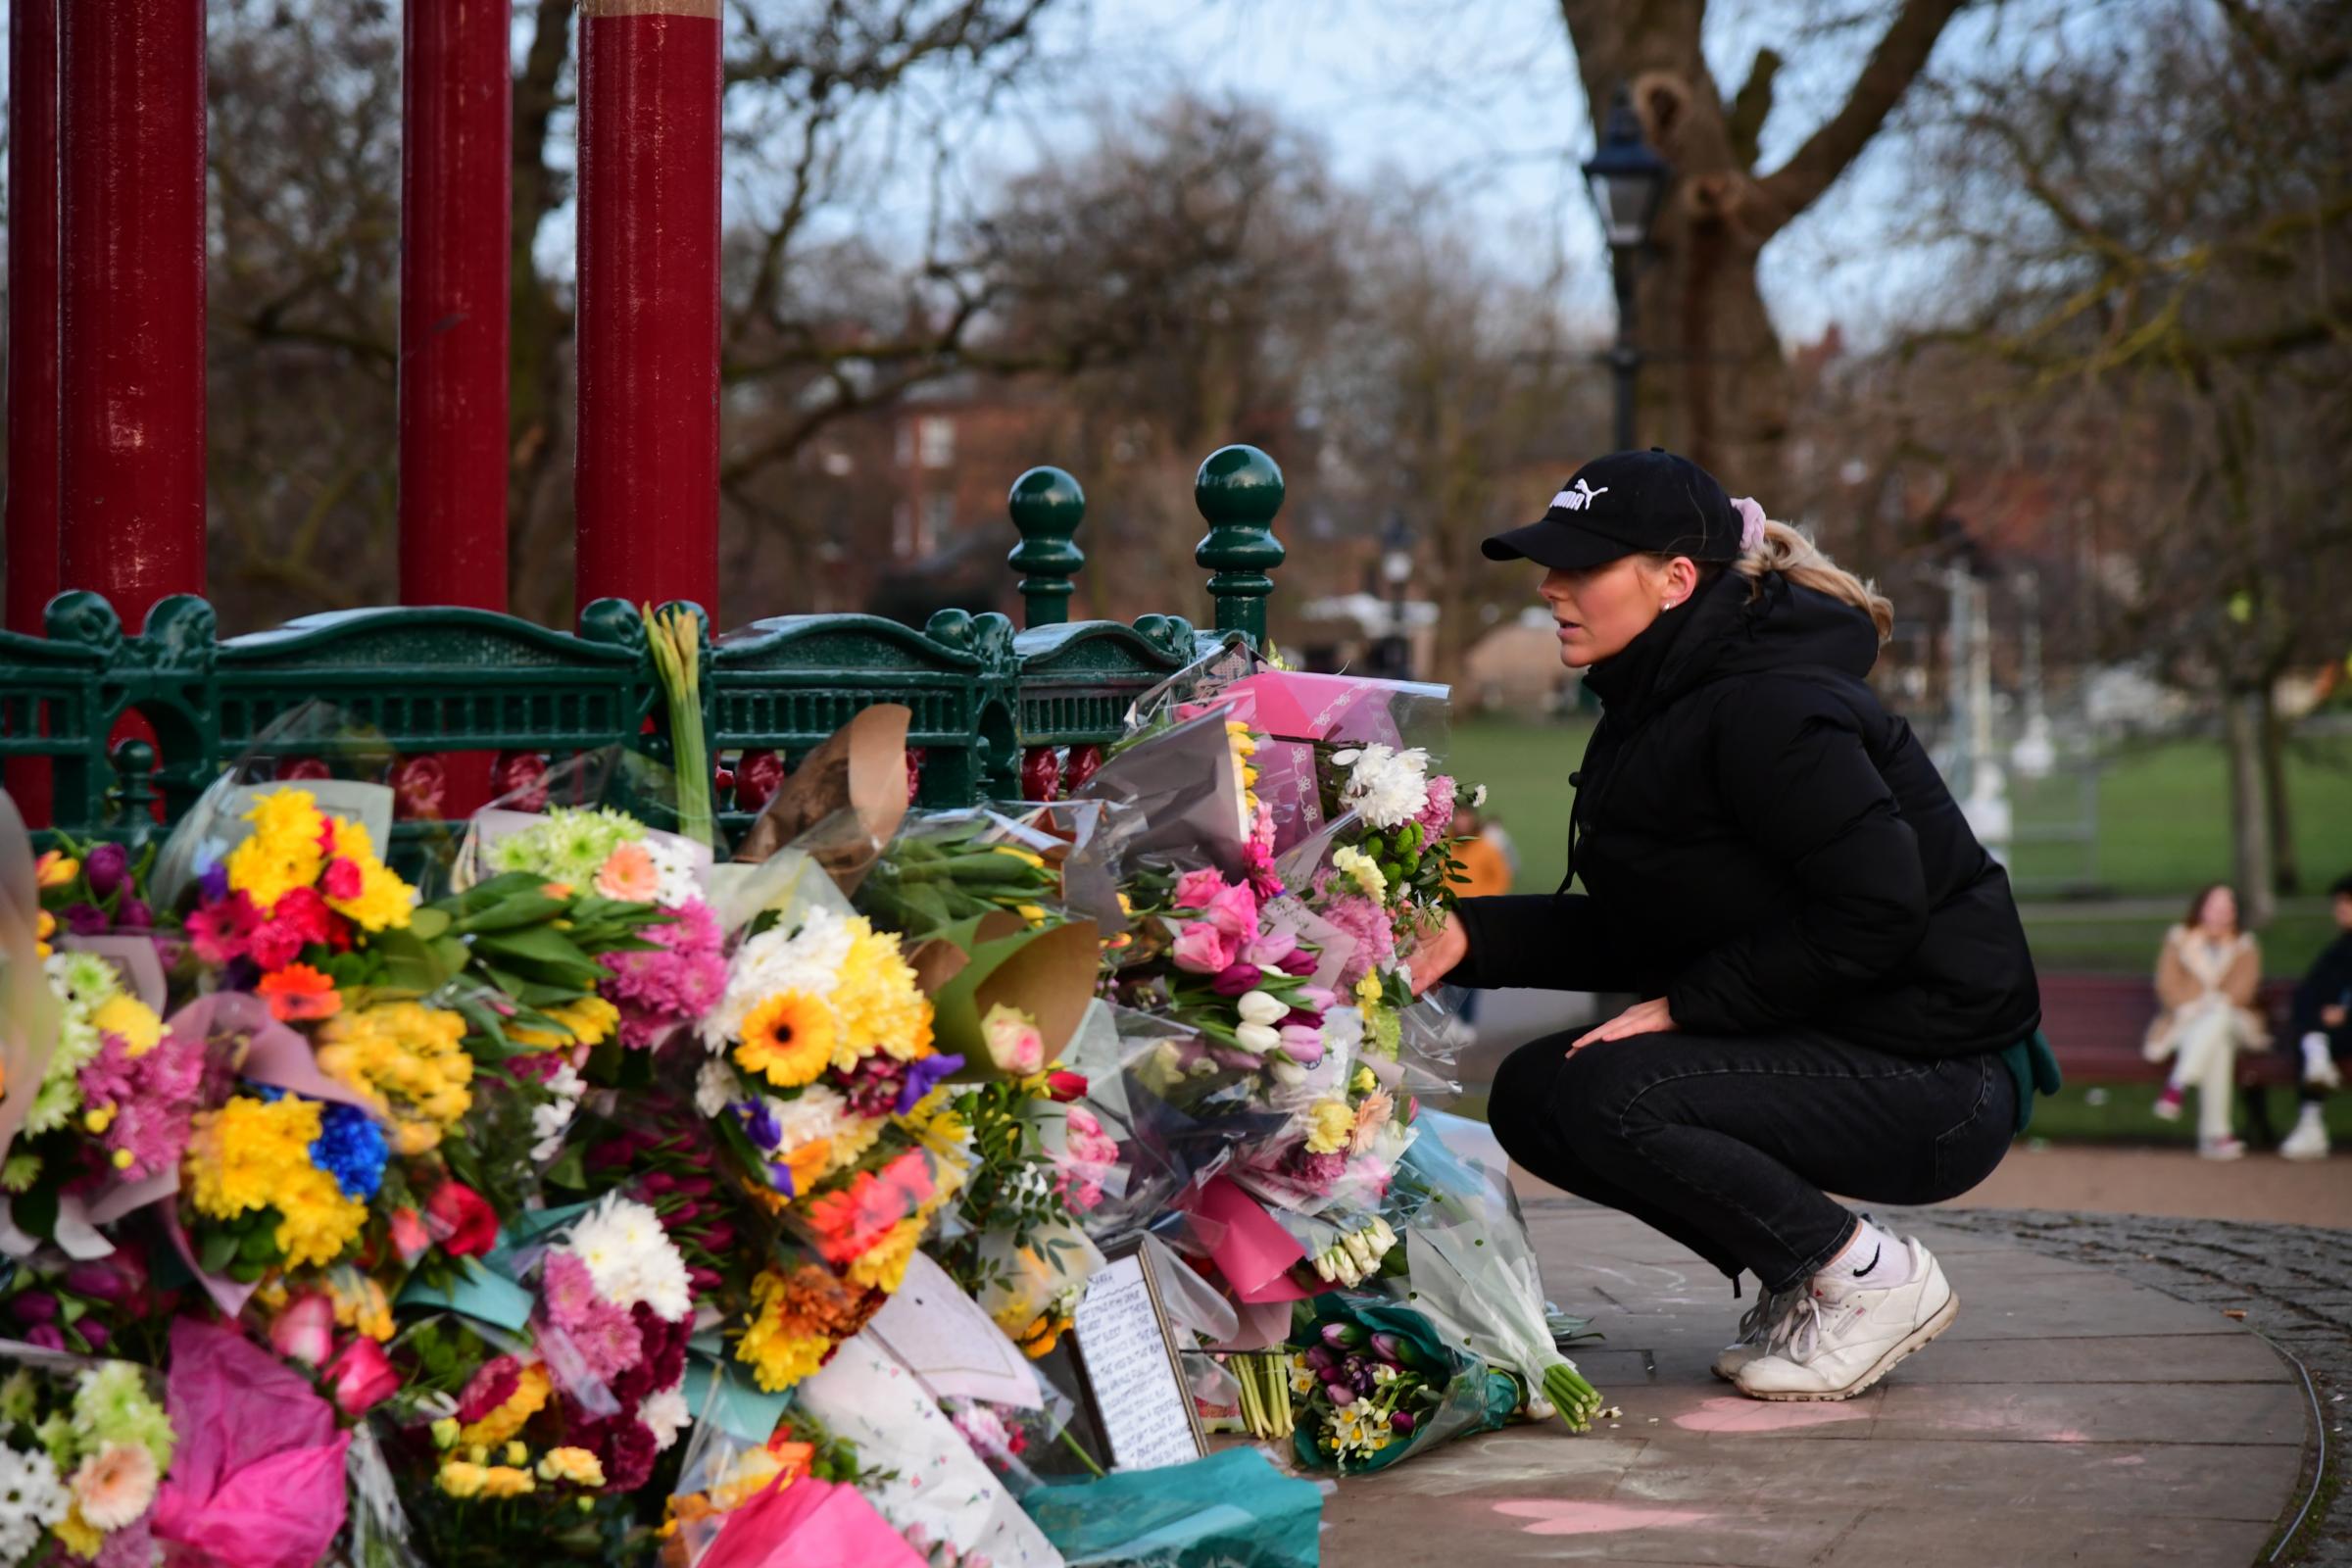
{"x": 527, "y": 1401}
{"x": 777, "y": 1359}
{"x": 133, "y": 1019}
{"x": 591, "y": 1019}
{"x": 77, "y": 1534}
{"x": 283, "y": 852}
{"x": 360, "y": 1304}
{"x": 844, "y": 1148}
{"x": 411, "y": 1062}
{"x": 239, "y": 1156}
{"x": 877, "y": 1002}
{"x": 789, "y": 1039}
{"x": 383, "y": 900}
{"x": 883, "y": 1266}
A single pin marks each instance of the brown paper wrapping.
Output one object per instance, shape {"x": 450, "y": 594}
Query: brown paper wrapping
{"x": 853, "y": 786}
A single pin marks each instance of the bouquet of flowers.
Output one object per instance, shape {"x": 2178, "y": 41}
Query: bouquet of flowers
{"x": 84, "y": 1447}
{"x": 1372, "y": 1382}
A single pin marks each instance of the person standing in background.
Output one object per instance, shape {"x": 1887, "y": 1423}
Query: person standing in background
{"x": 1482, "y": 869}
{"x": 2206, "y": 979}
{"x": 2322, "y": 1035}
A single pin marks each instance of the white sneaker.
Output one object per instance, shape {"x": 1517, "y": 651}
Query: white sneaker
{"x": 1840, "y": 1339}
{"x": 2319, "y": 1065}
{"x": 2309, "y": 1140}
{"x": 1756, "y": 1330}
{"x": 2221, "y": 1149}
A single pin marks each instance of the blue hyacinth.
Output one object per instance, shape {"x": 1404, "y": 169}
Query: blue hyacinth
{"x": 351, "y": 1147}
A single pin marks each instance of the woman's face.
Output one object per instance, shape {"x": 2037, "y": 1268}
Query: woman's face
{"x": 2219, "y": 913}
{"x": 1602, "y": 610}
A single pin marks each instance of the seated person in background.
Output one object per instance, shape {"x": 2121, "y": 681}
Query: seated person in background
{"x": 2206, "y": 978}
{"x": 2322, "y": 1035}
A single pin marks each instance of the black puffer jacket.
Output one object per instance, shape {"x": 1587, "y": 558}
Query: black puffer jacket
{"x": 1767, "y": 848}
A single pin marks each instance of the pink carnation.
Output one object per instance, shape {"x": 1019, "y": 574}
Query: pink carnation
{"x": 676, "y": 982}
{"x": 153, "y": 1098}
{"x": 1367, "y": 926}
{"x": 1436, "y": 814}
{"x": 568, "y": 1289}
{"x": 607, "y": 1340}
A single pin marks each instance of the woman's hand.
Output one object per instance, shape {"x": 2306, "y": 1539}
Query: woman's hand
{"x": 1434, "y": 960}
{"x": 1642, "y": 1019}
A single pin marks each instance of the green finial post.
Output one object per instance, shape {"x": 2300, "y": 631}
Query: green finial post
{"x": 1239, "y": 490}
{"x": 1047, "y": 507}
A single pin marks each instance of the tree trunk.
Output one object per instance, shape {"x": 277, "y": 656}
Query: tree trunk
{"x": 2285, "y": 871}
{"x": 2249, "y": 822}
{"x": 1716, "y": 385}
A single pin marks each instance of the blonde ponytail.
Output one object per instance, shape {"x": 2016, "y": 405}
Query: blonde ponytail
{"x": 1802, "y": 561}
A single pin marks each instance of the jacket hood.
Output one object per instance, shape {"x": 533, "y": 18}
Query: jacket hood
{"x": 1725, "y": 632}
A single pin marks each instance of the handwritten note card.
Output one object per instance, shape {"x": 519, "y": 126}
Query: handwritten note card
{"x": 1144, "y": 1411}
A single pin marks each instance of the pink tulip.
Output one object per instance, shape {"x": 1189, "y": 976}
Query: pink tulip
{"x": 305, "y": 1330}
{"x": 362, "y": 1377}
{"x": 1272, "y": 947}
{"x": 1233, "y": 911}
{"x": 1237, "y": 980}
{"x": 1302, "y": 1045}
{"x": 1195, "y": 889}
{"x": 1201, "y": 948}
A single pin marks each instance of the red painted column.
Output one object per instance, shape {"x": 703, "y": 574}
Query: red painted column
{"x": 132, "y": 333}
{"x": 33, "y": 539}
{"x": 647, "y": 334}
{"x": 454, "y": 214}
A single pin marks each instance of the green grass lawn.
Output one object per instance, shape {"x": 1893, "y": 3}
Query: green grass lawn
{"x": 2163, "y": 829}
{"x": 2126, "y": 1114}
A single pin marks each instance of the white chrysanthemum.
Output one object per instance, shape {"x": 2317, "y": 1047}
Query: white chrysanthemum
{"x": 1388, "y": 788}
{"x": 550, "y": 1121}
{"x": 666, "y": 1416}
{"x": 713, "y": 1086}
{"x": 807, "y": 959}
{"x": 631, "y": 1257}
{"x": 818, "y": 1114}
{"x": 32, "y": 1499}
{"x": 675, "y": 864}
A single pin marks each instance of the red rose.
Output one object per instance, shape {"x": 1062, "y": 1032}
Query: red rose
{"x": 1066, "y": 1086}
{"x": 275, "y": 944}
{"x": 361, "y": 1377}
{"x": 470, "y": 1223}
{"x": 305, "y": 912}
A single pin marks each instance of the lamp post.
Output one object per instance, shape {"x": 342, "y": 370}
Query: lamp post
{"x": 1628, "y": 179}
{"x": 1396, "y": 571}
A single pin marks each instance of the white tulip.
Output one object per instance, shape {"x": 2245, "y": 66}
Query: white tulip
{"x": 1257, "y": 1039}
{"x": 1263, "y": 1006}
{"x": 1288, "y": 1074}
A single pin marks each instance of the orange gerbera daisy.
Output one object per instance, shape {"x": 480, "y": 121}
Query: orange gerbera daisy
{"x": 299, "y": 993}
{"x": 788, "y": 1038}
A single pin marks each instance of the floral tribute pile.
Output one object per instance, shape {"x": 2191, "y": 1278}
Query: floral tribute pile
{"x": 616, "y": 1203}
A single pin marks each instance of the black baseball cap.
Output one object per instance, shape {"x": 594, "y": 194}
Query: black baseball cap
{"x": 1626, "y": 504}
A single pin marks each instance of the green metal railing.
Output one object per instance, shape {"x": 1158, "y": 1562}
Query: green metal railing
{"x": 409, "y": 683}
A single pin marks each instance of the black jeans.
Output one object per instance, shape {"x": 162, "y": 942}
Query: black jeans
{"x": 1726, "y": 1143}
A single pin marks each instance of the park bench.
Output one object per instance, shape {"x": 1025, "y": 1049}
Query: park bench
{"x": 2096, "y": 1024}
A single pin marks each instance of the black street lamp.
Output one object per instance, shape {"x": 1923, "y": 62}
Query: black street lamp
{"x": 1628, "y": 179}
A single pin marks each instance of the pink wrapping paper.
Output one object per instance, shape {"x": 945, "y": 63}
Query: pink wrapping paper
{"x": 809, "y": 1524}
{"x": 274, "y": 1054}
{"x": 1253, "y": 1252}
{"x": 1292, "y": 704}
{"x": 257, "y": 1480}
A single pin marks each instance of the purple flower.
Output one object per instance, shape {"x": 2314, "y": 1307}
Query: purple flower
{"x": 100, "y": 1281}
{"x": 213, "y": 880}
{"x": 35, "y": 1306}
{"x": 1341, "y": 1395}
{"x": 759, "y": 1123}
{"x": 1237, "y": 980}
{"x": 924, "y": 1075}
{"x": 1320, "y": 1358}
{"x": 1298, "y": 961}
{"x": 1272, "y": 947}
{"x": 104, "y": 866}
{"x": 95, "y": 1333}
{"x": 132, "y": 914}
{"x": 1343, "y": 1336}
{"x": 46, "y": 1336}
{"x": 85, "y": 919}
{"x": 1401, "y": 1423}
{"x": 1384, "y": 1346}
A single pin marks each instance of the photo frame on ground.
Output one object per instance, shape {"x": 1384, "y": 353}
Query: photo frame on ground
{"x": 1132, "y": 1380}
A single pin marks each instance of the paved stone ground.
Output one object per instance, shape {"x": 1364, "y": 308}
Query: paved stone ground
{"x": 2093, "y": 1406}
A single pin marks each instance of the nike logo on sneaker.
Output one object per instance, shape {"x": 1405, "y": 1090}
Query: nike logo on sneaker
{"x": 1876, "y": 1254}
